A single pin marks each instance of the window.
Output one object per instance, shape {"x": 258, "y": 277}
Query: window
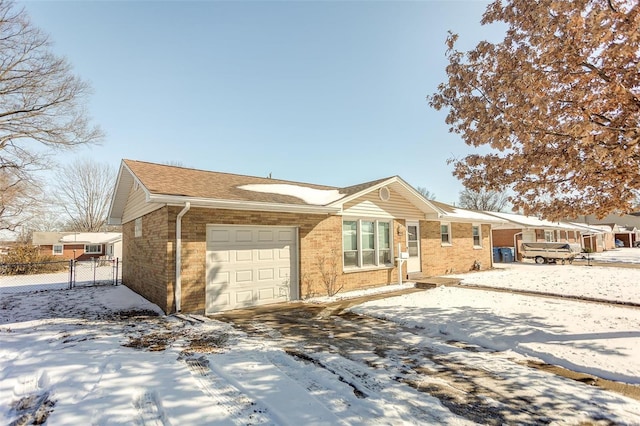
{"x": 384, "y": 243}
{"x": 366, "y": 243}
{"x": 58, "y": 249}
{"x": 350, "y": 242}
{"x": 445, "y": 233}
{"x": 549, "y": 236}
{"x": 477, "y": 238}
{"x": 137, "y": 228}
{"x": 93, "y": 248}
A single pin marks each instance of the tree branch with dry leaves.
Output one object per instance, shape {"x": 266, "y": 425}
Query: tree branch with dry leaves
{"x": 557, "y": 99}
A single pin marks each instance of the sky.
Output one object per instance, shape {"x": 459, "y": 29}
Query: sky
{"x": 321, "y": 92}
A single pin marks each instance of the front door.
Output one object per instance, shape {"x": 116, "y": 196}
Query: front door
{"x": 413, "y": 247}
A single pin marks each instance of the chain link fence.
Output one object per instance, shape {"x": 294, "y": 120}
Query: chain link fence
{"x": 58, "y": 275}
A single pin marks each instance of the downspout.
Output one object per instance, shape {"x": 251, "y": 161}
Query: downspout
{"x": 178, "y": 287}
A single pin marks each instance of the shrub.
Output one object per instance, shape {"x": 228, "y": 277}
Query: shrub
{"x": 26, "y": 259}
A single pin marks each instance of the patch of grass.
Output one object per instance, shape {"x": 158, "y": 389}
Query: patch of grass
{"x": 208, "y": 344}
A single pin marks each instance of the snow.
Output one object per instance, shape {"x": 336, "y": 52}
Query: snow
{"x": 456, "y": 213}
{"x": 532, "y": 221}
{"x": 97, "y": 355}
{"x": 91, "y": 237}
{"x": 317, "y": 197}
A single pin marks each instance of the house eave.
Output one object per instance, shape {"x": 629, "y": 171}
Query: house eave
{"x": 173, "y": 200}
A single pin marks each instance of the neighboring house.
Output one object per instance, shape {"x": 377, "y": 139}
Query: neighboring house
{"x": 79, "y": 245}
{"x": 518, "y": 228}
{"x": 627, "y": 226}
{"x": 200, "y": 241}
{"x": 597, "y": 238}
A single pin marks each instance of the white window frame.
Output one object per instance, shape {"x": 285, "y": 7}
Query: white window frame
{"x": 87, "y": 251}
{"x": 137, "y": 228}
{"x": 449, "y": 237}
{"x": 479, "y": 228}
{"x": 54, "y": 252}
{"x": 376, "y": 241}
{"x": 549, "y": 236}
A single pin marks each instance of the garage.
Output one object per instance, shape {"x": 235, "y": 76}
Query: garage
{"x": 250, "y": 266}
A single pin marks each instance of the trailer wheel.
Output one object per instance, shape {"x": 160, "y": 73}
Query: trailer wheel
{"x": 539, "y": 260}
{"x": 563, "y": 261}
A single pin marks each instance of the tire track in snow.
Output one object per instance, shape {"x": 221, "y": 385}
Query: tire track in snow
{"x": 150, "y": 411}
{"x": 242, "y": 410}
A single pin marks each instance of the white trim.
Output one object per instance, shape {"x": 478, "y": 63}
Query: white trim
{"x": 450, "y": 237}
{"x": 376, "y": 255}
{"x": 419, "y": 241}
{"x": 174, "y": 200}
{"x": 476, "y": 225}
{"x": 137, "y": 227}
{"x": 92, "y": 252}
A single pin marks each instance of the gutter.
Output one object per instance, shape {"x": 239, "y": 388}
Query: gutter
{"x": 177, "y": 200}
{"x": 178, "y": 285}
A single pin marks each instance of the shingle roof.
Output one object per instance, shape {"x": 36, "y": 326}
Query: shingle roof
{"x": 172, "y": 180}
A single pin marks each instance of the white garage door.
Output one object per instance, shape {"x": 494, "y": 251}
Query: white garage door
{"x": 250, "y": 266}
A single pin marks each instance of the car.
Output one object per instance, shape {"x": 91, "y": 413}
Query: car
{"x": 619, "y": 243}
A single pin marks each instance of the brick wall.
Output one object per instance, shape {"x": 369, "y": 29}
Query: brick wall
{"x": 460, "y": 256}
{"x": 149, "y": 261}
{"x": 504, "y": 237}
{"x": 320, "y": 238}
{"x": 145, "y": 259}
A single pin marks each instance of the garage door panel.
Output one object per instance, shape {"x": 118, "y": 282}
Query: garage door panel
{"x": 265, "y": 294}
{"x": 218, "y": 256}
{"x": 242, "y": 255}
{"x": 285, "y": 253}
{"x": 220, "y": 277}
{"x": 244, "y": 276}
{"x": 244, "y": 235}
{"x": 265, "y": 255}
{"x": 285, "y": 235}
{"x": 249, "y": 266}
{"x": 265, "y": 235}
{"x": 219, "y": 235}
{"x": 265, "y": 274}
{"x": 243, "y": 297}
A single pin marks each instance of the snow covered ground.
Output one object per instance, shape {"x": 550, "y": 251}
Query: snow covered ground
{"x": 97, "y": 355}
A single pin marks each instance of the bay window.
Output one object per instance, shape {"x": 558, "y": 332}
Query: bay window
{"x": 366, "y": 243}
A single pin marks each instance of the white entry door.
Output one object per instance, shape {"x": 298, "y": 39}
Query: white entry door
{"x": 250, "y": 266}
{"x": 413, "y": 247}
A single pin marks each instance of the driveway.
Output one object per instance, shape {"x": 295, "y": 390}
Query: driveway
{"x": 487, "y": 393}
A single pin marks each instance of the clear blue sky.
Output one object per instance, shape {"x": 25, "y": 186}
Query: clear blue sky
{"x": 323, "y": 92}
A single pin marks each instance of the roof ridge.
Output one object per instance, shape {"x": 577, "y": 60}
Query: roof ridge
{"x": 230, "y": 174}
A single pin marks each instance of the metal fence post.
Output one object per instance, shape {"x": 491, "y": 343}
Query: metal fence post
{"x": 117, "y": 266}
{"x": 70, "y": 274}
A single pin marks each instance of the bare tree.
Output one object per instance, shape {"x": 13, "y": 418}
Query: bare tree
{"x": 42, "y": 107}
{"x": 426, "y": 193}
{"x": 83, "y": 192}
{"x": 19, "y": 199}
{"x": 492, "y": 201}
{"x": 558, "y": 102}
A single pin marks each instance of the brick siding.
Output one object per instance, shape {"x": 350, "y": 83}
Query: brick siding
{"x": 460, "y": 255}
{"x": 149, "y": 261}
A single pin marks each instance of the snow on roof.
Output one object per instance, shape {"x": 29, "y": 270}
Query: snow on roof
{"x": 317, "y": 197}
{"x": 533, "y": 222}
{"x": 456, "y": 213}
{"x": 91, "y": 237}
